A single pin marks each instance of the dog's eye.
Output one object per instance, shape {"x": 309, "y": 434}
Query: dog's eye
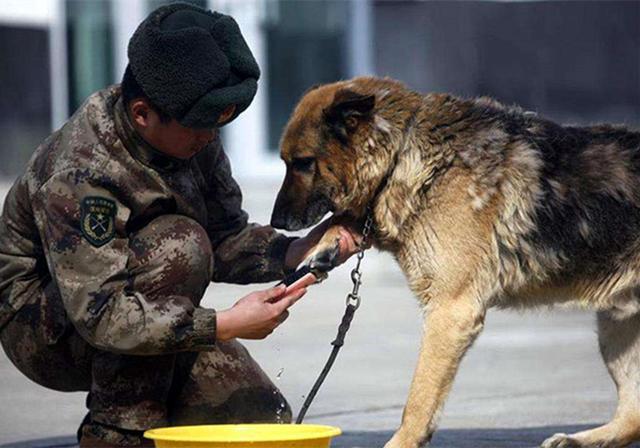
{"x": 303, "y": 163}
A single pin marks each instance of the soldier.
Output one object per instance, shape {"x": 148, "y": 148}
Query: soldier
{"x": 122, "y": 218}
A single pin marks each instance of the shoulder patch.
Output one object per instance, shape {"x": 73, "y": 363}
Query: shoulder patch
{"x": 97, "y": 221}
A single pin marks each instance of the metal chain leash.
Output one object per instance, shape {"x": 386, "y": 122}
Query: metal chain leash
{"x": 353, "y": 303}
{"x": 353, "y": 298}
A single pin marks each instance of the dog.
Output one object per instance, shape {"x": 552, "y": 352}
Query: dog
{"x": 482, "y": 205}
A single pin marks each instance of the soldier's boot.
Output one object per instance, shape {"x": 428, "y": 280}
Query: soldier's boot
{"x": 91, "y": 442}
{"x": 93, "y": 435}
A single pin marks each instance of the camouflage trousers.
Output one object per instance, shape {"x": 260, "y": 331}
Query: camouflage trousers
{"x": 129, "y": 394}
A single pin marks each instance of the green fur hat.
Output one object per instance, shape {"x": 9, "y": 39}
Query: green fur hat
{"x": 193, "y": 63}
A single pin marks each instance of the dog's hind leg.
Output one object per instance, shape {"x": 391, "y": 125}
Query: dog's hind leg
{"x": 620, "y": 347}
{"x": 451, "y": 326}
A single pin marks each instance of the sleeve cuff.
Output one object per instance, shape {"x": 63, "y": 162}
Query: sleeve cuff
{"x": 204, "y": 329}
{"x": 278, "y": 251}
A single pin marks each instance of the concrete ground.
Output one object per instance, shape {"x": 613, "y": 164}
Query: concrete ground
{"x": 528, "y": 376}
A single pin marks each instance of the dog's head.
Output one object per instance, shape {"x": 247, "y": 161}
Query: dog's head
{"x": 325, "y": 145}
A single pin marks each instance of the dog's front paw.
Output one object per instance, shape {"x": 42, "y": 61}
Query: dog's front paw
{"x": 324, "y": 258}
{"x": 561, "y": 440}
{"x": 393, "y": 443}
{"x": 400, "y": 441}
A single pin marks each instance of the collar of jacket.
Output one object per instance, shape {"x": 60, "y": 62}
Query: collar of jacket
{"x": 139, "y": 148}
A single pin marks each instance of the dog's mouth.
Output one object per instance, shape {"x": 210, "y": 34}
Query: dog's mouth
{"x": 285, "y": 217}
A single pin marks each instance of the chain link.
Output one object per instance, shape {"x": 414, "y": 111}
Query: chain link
{"x": 353, "y": 298}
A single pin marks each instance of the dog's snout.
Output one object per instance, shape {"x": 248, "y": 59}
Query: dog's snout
{"x": 277, "y": 221}
{"x": 279, "y": 214}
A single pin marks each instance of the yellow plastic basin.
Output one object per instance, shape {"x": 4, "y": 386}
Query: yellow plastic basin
{"x": 236, "y": 436}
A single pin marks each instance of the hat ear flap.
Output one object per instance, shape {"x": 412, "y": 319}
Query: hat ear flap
{"x": 347, "y": 111}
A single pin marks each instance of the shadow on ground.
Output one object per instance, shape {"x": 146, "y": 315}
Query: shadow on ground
{"x": 444, "y": 438}
{"x": 466, "y": 438}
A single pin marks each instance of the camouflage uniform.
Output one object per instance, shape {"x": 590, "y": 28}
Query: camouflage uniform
{"x": 106, "y": 248}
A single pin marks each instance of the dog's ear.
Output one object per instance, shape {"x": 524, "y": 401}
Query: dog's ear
{"x": 347, "y": 111}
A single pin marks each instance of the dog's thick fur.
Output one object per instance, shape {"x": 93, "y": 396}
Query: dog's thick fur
{"x": 482, "y": 205}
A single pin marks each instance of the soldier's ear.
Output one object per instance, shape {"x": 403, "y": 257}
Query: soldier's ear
{"x": 139, "y": 111}
{"x": 347, "y": 111}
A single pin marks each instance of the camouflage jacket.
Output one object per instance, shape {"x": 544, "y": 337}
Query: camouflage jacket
{"x": 97, "y": 161}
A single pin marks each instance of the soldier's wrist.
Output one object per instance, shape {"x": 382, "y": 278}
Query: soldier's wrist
{"x": 224, "y": 325}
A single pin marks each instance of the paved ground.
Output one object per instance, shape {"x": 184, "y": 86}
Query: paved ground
{"x": 528, "y": 376}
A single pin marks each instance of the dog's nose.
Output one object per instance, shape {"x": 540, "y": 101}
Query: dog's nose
{"x": 278, "y": 221}
{"x": 279, "y": 213}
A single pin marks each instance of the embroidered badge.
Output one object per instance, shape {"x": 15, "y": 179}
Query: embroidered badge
{"x": 97, "y": 220}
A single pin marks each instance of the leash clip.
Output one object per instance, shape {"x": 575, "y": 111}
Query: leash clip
{"x": 353, "y": 300}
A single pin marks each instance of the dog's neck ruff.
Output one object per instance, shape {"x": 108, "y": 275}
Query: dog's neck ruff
{"x": 409, "y": 127}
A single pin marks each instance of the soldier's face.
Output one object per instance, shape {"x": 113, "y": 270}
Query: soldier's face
{"x": 176, "y": 140}
{"x": 171, "y": 137}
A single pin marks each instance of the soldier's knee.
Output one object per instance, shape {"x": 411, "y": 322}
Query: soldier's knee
{"x": 172, "y": 255}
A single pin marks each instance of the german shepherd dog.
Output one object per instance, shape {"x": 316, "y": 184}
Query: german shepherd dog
{"x": 482, "y": 205}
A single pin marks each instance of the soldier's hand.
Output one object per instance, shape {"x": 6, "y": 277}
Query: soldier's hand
{"x": 256, "y": 315}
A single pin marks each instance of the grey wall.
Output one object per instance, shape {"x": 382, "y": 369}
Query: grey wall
{"x": 25, "y": 95}
{"x": 571, "y": 60}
